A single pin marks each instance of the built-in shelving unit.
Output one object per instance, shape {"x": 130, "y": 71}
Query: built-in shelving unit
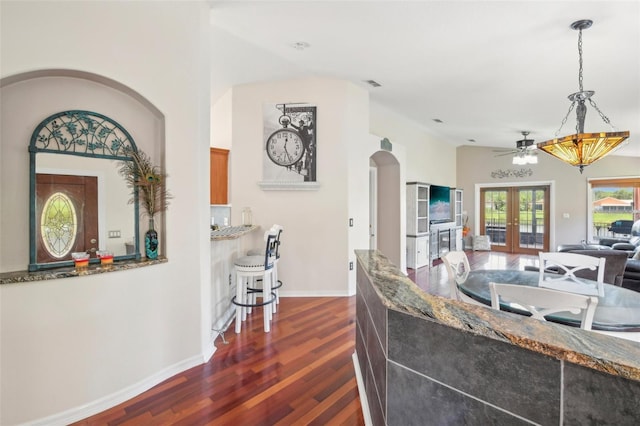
{"x": 417, "y": 225}
{"x": 427, "y": 242}
{"x": 457, "y": 206}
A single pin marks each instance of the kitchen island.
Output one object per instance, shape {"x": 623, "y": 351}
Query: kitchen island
{"x": 425, "y": 359}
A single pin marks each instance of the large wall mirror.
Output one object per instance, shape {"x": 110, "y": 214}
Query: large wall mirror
{"x": 78, "y": 200}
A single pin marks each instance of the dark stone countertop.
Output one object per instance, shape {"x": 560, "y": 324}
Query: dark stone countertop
{"x": 69, "y": 271}
{"x": 589, "y": 349}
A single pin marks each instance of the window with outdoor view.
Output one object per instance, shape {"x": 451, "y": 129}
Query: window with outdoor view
{"x": 615, "y": 206}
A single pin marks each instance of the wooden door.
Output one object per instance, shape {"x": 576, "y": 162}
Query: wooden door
{"x": 516, "y": 219}
{"x": 219, "y": 175}
{"x": 67, "y": 216}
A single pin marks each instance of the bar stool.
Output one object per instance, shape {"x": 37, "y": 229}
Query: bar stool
{"x": 277, "y": 283}
{"x": 248, "y": 268}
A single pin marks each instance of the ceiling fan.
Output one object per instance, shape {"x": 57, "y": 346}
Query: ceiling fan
{"x": 525, "y": 151}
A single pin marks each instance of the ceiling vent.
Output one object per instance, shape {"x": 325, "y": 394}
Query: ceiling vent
{"x": 373, "y": 83}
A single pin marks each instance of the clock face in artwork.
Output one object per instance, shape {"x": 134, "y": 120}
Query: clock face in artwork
{"x": 285, "y": 147}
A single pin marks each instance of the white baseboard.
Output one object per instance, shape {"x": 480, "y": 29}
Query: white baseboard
{"x": 209, "y": 350}
{"x": 106, "y": 402}
{"x": 364, "y": 402}
{"x": 225, "y": 320}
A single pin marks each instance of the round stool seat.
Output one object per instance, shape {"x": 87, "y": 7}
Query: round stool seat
{"x": 250, "y": 263}
{"x": 257, "y": 253}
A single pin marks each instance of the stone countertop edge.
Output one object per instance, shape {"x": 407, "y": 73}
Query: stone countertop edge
{"x": 581, "y": 347}
{"x": 234, "y": 235}
{"x": 70, "y": 272}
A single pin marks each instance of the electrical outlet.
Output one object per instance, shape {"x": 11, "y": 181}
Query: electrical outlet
{"x": 351, "y": 221}
{"x": 229, "y": 280}
{"x": 351, "y": 266}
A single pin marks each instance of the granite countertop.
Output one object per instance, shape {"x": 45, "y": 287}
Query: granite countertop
{"x": 231, "y": 232}
{"x": 586, "y": 348}
{"x": 70, "y": 271}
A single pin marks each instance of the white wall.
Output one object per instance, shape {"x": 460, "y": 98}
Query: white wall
{"x": 475, "y": 165}
{"x": 429, "y": 158}
{"x": 221, "y": 135}
{"x": 316, "y": 245}
{"x": 85, "y": 343}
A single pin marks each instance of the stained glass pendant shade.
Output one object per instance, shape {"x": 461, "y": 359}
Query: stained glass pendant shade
{"x": 582, "y": 149}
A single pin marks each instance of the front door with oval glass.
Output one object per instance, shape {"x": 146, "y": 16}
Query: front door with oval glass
{"x": 67, "y": 216}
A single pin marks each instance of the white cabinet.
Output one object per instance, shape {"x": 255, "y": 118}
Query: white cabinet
{"x": 417, "y": 224}
{"x": 417, "y": 251}
{"x": 417, "y": 208}
{"x": 457, "y": 240}
{"x": 457, "y": 206}
{"x": 426, "y": 241}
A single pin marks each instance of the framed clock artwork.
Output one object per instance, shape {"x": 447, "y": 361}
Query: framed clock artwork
{"x": 289, "y": 146}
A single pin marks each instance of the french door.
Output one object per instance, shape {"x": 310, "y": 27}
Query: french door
{"x": 516, "y": 218}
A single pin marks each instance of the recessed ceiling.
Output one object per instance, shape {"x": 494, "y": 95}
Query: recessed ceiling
{"x": 487, "y": 69}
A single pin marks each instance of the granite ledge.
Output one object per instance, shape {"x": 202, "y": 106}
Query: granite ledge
{"x": 69, "y": 272}
{"x": 231, "y": 232}
{"x": 588, "y": 349}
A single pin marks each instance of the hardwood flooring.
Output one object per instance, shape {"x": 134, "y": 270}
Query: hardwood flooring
{"x": 301, "y": 373}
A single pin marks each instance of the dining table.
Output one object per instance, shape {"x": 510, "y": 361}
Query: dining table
{"x": 617, "y": 312}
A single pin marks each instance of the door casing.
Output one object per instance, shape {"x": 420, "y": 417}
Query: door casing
{"x": 552, "y": 209}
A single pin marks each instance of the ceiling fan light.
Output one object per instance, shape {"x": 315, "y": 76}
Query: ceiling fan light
{"x": 583, "y": 149}
{"x": 532, "y": 158}
{"x": 519, "y": 160}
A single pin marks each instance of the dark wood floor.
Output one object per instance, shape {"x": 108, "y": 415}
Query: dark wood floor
{"x": 301, "y": 373}
{"x": 435, "y": 280}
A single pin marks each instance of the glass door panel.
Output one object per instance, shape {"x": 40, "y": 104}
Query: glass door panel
{"x": 494, "y": 212}
{"x": 516, "y": 219}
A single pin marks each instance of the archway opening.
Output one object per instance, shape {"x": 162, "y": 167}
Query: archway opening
{"x": 385, "y": 207}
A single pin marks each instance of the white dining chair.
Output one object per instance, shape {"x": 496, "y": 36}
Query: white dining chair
{"x": 457, "y": 265}
{"x": 541, "y": 302}
{"x": 567, "y": 265}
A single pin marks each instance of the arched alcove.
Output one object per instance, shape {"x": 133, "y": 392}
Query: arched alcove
{"x": 30, "y": 97}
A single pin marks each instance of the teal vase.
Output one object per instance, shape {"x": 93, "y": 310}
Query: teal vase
{"x": 151, "y": 242}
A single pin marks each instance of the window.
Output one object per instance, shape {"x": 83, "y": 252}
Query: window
{"x": 58, "y": 225}
{"x": 615, "y": 205}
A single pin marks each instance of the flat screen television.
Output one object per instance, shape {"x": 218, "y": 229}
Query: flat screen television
{"x": 439, "y": 204}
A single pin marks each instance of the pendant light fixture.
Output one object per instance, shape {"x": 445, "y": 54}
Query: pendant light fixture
{"x": 582, "y": 149}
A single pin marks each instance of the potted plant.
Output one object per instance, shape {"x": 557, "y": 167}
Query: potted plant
{"x": 153, "y": 196}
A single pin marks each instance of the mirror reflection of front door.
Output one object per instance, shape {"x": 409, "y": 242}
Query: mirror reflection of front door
{"x": 516, "y": 219}
{"x": 67, "y": 216}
